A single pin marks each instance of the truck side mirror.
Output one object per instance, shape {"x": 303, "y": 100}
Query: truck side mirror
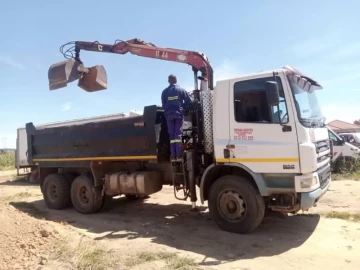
{"x": 272, "y": 93}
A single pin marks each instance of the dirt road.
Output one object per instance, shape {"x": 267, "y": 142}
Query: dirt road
{"x": 146, "y": 232}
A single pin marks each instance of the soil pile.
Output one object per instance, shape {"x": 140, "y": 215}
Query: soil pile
{"x": 25, "y": 242}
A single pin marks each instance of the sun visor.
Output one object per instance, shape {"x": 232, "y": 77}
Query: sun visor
{"x": 300, "y": 79}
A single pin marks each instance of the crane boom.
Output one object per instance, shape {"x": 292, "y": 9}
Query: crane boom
{"x": 95, "y": 78}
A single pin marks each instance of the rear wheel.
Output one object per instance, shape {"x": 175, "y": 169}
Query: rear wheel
{"x": 86, "y": 198}
{"x": 56, "y": 191}
{"x": 235, "y": 204}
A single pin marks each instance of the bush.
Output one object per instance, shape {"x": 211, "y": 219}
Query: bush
{"x": 7, "y": 161}
{"x": 348, "y": 168}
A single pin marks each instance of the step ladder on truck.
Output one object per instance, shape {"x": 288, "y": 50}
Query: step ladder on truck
{"x": 248, "y": 145}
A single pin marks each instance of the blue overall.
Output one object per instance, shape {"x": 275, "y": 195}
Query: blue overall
{"x": 173, "y": 99}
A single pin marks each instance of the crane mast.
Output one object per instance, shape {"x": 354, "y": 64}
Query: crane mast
{"x": 94, "y": 78}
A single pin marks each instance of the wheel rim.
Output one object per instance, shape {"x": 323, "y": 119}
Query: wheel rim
{"x": 84, "y": 195}
{"x": 232, "y": 205}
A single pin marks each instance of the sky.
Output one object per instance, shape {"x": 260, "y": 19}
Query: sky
{"x": 320, "y": 38}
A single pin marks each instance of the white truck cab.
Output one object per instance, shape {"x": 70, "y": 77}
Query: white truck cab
{"x": 343, "y": 151}
{"x": 352, "y": 138}
{"x": 285, "y": 147}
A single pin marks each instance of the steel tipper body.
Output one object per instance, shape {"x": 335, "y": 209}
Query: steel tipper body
{"x": 252, "y": 143}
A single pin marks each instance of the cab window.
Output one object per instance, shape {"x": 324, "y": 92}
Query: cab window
{"x": 251, "y": 106}
{"x": 334, "y": 139}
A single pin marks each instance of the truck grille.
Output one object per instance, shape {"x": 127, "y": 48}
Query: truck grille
{"x": 322, "y": 146}
{"x": 324, "y": 174}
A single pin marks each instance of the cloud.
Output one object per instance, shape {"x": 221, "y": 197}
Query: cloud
{"x": 11, "y": 62}
{"x": 345, "y": 77}
{"x": 344, "y": 113}
{"x": 312, "y": 46}
{"x": 348, "y": 50}
{"x": 226, "y": 70}
{"x": 67, "y": 106}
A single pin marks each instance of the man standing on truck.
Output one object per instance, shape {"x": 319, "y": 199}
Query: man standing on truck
{"x": 173, "y": 99}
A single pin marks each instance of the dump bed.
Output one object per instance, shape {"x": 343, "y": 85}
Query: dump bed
{"x": 132, "y": 138}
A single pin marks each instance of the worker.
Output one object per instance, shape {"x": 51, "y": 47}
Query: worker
{"x": 173, "y": 99}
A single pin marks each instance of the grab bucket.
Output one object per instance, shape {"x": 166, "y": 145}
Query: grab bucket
{"x": 62, "y": 73}
{"x": 93, "y": 80}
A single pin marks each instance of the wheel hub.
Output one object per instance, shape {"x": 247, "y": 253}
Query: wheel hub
{"x": 84, "y": 195}
{"x": 53, "y": 192}
{"x": 232, "y": 206}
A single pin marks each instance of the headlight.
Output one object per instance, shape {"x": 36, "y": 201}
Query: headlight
{"x": 308, "y": 182}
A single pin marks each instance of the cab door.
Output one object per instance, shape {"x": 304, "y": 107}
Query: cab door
{"x": 261, "y": 139}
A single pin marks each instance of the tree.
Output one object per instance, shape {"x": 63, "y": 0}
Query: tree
{"x": 357, "y": 122}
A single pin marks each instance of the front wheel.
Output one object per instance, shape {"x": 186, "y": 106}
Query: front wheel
{"x": 86, "y": 198}
{"x": 235, "y": 204}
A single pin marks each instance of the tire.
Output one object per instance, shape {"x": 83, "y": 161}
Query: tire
{"x": 56, "y": 191}
{"x": 239, "y": 192}
{"x": 86, "y": 198}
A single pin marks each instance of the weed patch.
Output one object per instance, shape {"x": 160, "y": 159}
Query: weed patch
{"x": 172, "y": 260}
{"x": 343, "y": 215}
{"x": 17, "y": 197}
{"x": 348, "y": 169}
{"x": 85, "y": 255}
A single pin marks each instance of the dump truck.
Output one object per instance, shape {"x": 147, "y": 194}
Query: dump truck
{"x": 252, "y": 143}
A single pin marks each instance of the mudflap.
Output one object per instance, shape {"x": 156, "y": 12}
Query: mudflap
{"x": 62, "y": 73}
{"x": 93, "y": 80}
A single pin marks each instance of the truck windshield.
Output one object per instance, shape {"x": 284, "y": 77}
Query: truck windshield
{"x": 307, "y": 106}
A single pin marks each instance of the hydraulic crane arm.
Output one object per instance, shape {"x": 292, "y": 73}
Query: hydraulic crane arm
{"x": 95, "y": 78}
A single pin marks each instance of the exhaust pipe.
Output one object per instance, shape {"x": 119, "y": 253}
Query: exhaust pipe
{"x": 90, "y": 79}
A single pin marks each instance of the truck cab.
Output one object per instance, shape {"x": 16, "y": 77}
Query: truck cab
{"x": 283, "y": 146}
{"x": 352, "y": 138}
{"x": 344, "y": 153}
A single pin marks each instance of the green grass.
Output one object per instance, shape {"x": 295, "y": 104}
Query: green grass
{"x": 7, "y": 161}
{"x": 172, "y": 260}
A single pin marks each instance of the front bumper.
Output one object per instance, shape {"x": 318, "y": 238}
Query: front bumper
{"x": 309, "y": 199}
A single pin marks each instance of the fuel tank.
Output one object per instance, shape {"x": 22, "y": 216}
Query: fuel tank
{"x": 135, "y": 183}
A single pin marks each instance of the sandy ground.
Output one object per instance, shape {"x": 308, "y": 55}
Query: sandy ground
{"x": 162, "y": 224}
